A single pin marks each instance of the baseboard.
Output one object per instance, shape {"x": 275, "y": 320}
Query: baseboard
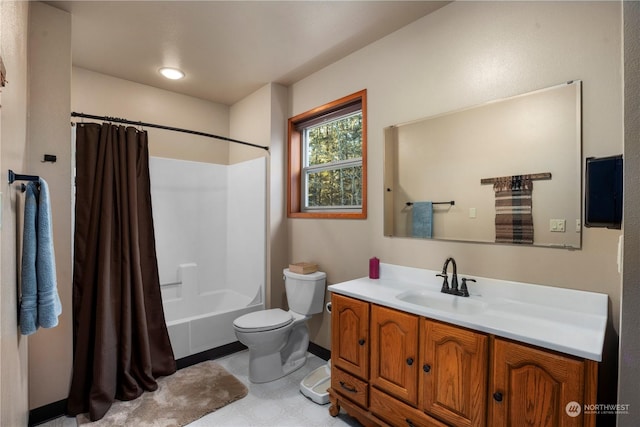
{"x": 321, "y": 352}
{"x": 235, "y": 347}
{"x": 47, "y": 412}
{"x": 213, "y": 353}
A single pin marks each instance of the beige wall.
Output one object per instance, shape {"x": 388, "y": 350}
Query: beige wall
{"x": 13, "y": 142}
{"x": 250, "y": 121}
{"x": 464, "y": 54}
{"x": 101, "y": 95}
{"x": 260, "y": 119}
{"x": 49, "y": 100}
{"x": 630, "y": 319}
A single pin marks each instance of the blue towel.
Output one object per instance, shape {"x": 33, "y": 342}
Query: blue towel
{"x": 422, "y": 219}
{"x": 40, "y": 304}
{"x": 29, "y": 299}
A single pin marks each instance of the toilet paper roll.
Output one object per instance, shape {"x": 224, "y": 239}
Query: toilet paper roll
{"x": 329, "y": 307}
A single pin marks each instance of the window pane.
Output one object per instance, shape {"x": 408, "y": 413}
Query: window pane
{"x": 336, "y": 140}
{"x": 327, "y": 160}
{"x": 335, "y": 188}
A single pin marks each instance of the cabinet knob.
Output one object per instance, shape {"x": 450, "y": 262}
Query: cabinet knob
{"x": 426, "y": 367}
{"x": 410, "y": 361}
{"x": 497, "y": 396}
{"x": 361, "y": 341}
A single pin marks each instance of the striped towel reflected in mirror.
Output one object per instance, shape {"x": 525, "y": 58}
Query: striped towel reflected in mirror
{"x": 514, "y": 220}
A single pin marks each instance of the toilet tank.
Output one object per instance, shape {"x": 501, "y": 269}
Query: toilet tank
{"x": 305, "y": 292}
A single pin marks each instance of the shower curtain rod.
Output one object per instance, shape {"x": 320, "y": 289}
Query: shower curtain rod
{"x": 151, "y": 125}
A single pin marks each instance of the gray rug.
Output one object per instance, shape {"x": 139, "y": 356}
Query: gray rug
{"x": 181, "y": 398}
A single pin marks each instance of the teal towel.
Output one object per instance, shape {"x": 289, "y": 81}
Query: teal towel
{"x": 422, "y": 219}
{"x": 40, "y": 304}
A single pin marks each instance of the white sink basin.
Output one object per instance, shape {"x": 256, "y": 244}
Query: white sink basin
{"x": 443, "y": 302}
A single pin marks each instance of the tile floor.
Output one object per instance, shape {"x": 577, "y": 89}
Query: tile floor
{"x": 275, "y": 404}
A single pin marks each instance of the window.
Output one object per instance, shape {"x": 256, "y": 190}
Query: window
{"x": 328, "y": 160}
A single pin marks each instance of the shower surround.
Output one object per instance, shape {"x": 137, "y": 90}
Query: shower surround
{"x": 210, "y": 229}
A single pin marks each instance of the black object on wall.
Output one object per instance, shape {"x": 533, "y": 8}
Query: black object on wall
{"x": 603, "y": 192}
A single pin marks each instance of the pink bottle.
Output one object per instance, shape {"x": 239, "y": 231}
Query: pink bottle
{"x": 374, "y": 268}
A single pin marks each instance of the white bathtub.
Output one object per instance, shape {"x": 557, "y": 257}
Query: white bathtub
{"x": 200, "y": 322}
{"x": 210, "y": 230}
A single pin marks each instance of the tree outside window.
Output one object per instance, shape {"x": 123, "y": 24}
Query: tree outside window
{"x": 327, "y": 160}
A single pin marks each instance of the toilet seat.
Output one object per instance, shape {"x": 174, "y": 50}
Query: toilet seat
{"x": 264, "y": 320}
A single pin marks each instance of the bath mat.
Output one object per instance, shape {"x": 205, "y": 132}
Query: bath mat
{"x": 181, "y": 398}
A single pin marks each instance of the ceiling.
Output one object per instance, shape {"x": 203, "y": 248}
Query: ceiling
{"x": 228, "y": 49}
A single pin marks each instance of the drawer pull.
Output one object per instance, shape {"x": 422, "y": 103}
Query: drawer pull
{"x": 361, "y": 341}
{"x": 349, "y": 388}
{"x": 410, "y": 361}
{"x": 426, "y": 367}
{"x": 410, "y": 423}
{"x": 497, "y": 396}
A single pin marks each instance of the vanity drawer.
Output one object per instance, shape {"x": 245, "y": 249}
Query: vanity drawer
{"x": 397, "y": 413}
{"x": 350, "y": 386}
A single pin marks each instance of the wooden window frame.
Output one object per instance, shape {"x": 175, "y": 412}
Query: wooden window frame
{"x": 294, "y": 161}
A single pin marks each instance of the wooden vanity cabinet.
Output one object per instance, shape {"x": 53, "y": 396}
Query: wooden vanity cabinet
{"x": 534, "y": 387}
{"x": 454, "y": 370}
{"x": 391, "y": 368}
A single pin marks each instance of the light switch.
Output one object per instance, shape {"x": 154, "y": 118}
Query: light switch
{"x": 557, "y": 225}
{"x": 472, "y": 212}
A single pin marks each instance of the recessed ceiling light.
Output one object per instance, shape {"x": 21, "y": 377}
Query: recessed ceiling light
{"x": 171, "y": 73}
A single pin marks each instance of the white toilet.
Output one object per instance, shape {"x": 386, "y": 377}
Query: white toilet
{"x": 278, "y": 339}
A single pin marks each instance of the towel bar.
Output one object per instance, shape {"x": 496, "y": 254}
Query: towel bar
{"x": 452, "y": 203}
{"x": 19, "y": 177}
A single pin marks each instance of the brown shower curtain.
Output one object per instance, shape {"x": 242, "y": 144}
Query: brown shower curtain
{"x": 121, "y": 344}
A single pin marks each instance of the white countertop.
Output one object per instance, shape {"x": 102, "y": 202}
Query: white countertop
{"x": 565, "y": 320}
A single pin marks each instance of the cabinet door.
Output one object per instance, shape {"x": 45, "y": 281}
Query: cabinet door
{"x": 533, "y": 387}
{"x": 350, "y": 335}
{"x": 394, "y": 353}
{"x": 454, "y": 366}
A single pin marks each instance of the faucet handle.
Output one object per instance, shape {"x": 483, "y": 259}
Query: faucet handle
{"x": 445, "y": 283}
{"x": 463, "y": 289}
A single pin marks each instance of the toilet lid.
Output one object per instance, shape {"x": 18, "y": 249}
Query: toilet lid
{"x": 264, "y": 320}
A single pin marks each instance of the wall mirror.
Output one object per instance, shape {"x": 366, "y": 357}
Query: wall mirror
{"x": 508, "y": 171}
